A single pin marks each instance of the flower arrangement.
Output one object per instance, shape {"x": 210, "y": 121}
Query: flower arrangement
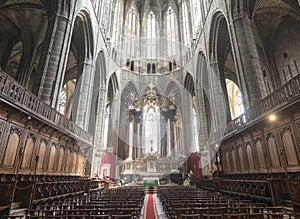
{"x": 188, "y": 180}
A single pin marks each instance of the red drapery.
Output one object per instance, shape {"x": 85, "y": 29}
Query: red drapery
{"x": 194, "y": 165}
{"x": 107, "y": 166}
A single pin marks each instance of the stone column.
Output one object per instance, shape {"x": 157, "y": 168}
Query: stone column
{"x": 220, "y": 111}
{"x": 164, "y": 136}
{"x": 158, "y": 133}
{"x": 203, "y": 131}
{"x": 130, "y": 143}
{"x": 250, "y": 75}
{"x": 180, "y": 147}
{"x": 100, "y": 121}
{"x": 178, "y": 137}
{"x": 138, "y": 145}
{"x": 141, "y": 143}
{"x": 135, "y": 138}
{"x": 99, "y": 127}
{"x": 203, "y": 123}
{"x": 143, "y": 139}
{"x": 172, "y": 137}
{"x": 54, "y": 58}
{"x": 187, "y": 122}
{"x": 82, "y": 100}
{"x": 175, "y": 139}
{"x": 168, "y": 131}
{"x": 115, "y": 118}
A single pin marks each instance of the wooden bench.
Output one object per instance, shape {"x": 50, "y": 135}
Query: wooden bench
{"x": 294, "y": 185}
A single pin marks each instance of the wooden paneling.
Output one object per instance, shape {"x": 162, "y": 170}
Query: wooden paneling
{"x": 28, "y": 153}
{"x": 41, "y": 155}
{"x": 250, "y": 157}
{"x": 241, "y": 159}
{"x": 60, "y": 160}
{"x": 11, "y": 150}
{"x": 51, "y": 158}
{"x": 289, "y": 148}
{"x": 273, "y": 151}
{"x": 260, "y": 155}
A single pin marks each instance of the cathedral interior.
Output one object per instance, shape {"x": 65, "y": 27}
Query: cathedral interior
{"x": 108, "y": 93}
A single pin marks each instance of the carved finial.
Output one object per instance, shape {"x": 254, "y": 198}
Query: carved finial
{"x": 151, "y": 86}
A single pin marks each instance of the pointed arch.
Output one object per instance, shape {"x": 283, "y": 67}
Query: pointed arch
{"x": 129, "y": 97}
{"x": 221, "y": 52}
{"x": 130, "y": 86}
{"x": 113, "y": 86}
{"x": 189, "y": 84}
{"x": 101, "y": 69}
{"x": 202, "y": 74}
{"x": 218, "y": 25}
{"x": 87, "y": 32}
{"x": 80, "y": 55}
{"x": 173, "y": 91}
{"x": 98, "y": 100}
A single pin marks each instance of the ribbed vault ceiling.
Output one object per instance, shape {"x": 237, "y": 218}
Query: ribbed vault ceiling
{"x": 157, "y": 6}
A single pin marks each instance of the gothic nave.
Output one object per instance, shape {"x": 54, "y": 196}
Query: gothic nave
{"x": 101, "y": 99}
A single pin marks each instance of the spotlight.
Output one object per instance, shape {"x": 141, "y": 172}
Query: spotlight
{"x": 272, "y": 117}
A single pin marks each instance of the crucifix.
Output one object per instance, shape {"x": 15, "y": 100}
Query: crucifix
{"x": 151, "y": 86}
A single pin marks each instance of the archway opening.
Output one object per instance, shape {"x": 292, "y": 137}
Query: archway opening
{"x": 234, "y": 99}
{"x": 151, "y": 127}
{"x": 66, "y": 97}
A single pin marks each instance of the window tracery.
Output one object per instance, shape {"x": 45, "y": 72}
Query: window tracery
{"x": 151, "y": 35}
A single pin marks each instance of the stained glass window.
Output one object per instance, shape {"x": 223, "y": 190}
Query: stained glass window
{"x": 151, "y": 35}
{"x": 131, "y": 24}
{"x": 116, "y": 26}
{"x": 171, "y": 31}
{"x": 197, "y": 14}
{"x": 131, "y": 31}
{"x": 186, "y": 31}
{"x": 170, "y": 24}
{"x": 105, "y": 14}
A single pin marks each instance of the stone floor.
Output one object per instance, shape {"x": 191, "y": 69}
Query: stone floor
{"x": 159, "y": 207}
{"x": 160, "y": 210}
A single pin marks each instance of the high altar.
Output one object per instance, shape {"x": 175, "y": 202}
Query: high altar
{"x": 149, "y": 166}
{"x": 154, "y": 145}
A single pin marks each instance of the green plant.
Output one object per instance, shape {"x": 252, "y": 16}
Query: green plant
{"x": 187, "y": 182}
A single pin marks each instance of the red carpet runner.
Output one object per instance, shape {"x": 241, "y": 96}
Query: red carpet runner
{"x": 150, "y": 211}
